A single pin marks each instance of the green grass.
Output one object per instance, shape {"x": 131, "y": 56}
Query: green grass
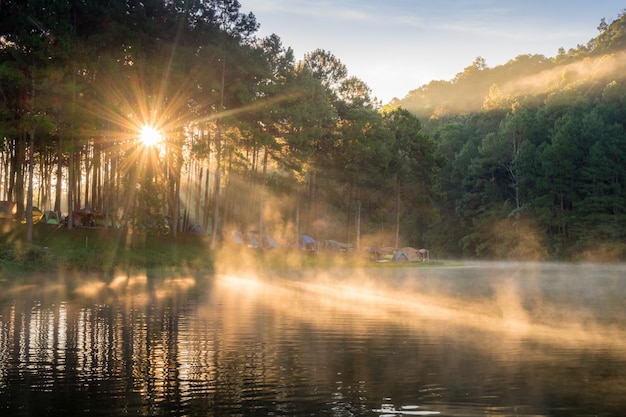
{"x": 97, "y": 250}
{"x": 105, "y": 251}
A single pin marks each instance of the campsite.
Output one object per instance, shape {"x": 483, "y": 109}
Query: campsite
{"x": 101, "y": 249}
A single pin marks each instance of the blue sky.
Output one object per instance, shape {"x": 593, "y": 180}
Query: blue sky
{"x": 398, "y": 45}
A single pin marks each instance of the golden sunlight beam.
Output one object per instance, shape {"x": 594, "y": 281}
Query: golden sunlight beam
{"x": 150, "y": 136}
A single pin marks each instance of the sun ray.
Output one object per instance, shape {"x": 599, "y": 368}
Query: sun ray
{"x": 147, "y": 124}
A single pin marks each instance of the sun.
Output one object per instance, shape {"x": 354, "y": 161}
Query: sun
{"x": 150, "y": 136}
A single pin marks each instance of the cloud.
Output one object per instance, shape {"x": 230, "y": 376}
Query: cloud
{"x": 422, "y": 40}
{"x": 328, "y": 10}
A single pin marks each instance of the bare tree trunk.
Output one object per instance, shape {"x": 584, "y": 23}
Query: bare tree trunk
{"x": 358, "y": 226}
{"x": 216, "y": 188}
{"x": 297, "y": 218}
{"x": 218, "y": 159}
{"x": 18, "y": 176}
{"x": 348, "y": 232}
{"x": 397, "y": 243}
{"x": 29, "y": 197}
{"x": 106, "y": 197}
{"x": 174, "y": 162}
{"x": 76, "y": 179}
{"x": 87, "y": 172}
{"x": 96, "y": 155}
{"x": 227, "y": 209}
{"x": 6, "y": 170}
{"x": 59, "y": 179}
{"x": 198, "y": 215}
{"x": 70, "y": 187}
{"x": 207, "y": 206}
{"x": 262, "y": 198}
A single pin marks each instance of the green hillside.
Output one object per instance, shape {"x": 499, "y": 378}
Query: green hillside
{"x": 535, "y": 151}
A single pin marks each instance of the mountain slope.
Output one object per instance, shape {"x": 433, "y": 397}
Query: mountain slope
{"x": 478, "y": 87}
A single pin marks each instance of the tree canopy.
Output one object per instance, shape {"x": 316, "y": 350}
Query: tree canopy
{"x": 525, "y": 160}
{"x": 250, "y": 139}
{"x": 534, "y": 153}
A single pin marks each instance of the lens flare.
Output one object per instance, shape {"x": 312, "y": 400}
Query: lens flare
{"x": 150, "y": 136}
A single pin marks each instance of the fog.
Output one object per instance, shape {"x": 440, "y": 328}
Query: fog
{"x": 484, "y": 302}
{"x": 569, "y": 74}
{"x": 570, "y": 304}
{"x": 525, "y": 338}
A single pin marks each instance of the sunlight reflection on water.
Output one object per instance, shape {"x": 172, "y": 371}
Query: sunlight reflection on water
{"x": 488, "y": 339}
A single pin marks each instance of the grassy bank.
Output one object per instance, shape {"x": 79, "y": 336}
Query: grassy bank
{"x": 104, "y": 251}
{"x": 97, "y": 250}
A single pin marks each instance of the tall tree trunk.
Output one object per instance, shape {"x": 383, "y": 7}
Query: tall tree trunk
{"x": 297, "y": 236}
{"x": 397, "y": 242}
{"x": 59, "y": 178}
{"x": 6, "y": 170}
{"x": 106, "y": 197}
{"x": 96, "y": 200}
{"x": 358, "y": 226}
{"x": 78, "y": 181}
{"x": 262, "y": 198}
{"x": 13, "y": 170}
{"x": 196, "y": 194}
{"x": 207, "y": 201}
{"x": 348, "y": 229}
{"x": 227, "y": 207}
{"x": 70, "y": 187}
{"x": 206, "y": 207}
{"x": 31, "y": 173}
{"x": 216, "y": 189}
{"x": 18, "y": 174}
{"x": 218, "y": 158}
{"x": 174, "y": 162}
{"x": 87, "y": 170}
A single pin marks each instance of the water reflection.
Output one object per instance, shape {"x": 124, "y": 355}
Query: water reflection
{"x": 529, "y": 339}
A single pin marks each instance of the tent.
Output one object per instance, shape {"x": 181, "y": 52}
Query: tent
{"x": 236, "y": 237}
{"x": 334, "y": 246}
{"x": 269, "y": 242}
{"x": 308, "y": 244}
{"x": 196, "y": 229}
{"x": 384, "y": 254}
{"x": 51, "y": 217}
{"x": 84, "y": 217}
{"x": 253, "y": 240}
{"x": 408, "y": 254}
{"x": 37, "y": 215}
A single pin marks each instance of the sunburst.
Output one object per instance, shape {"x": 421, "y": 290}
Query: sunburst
{"x": 150, "y": 136}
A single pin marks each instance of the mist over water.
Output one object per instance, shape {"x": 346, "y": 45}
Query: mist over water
{"x": 479, "y": 339}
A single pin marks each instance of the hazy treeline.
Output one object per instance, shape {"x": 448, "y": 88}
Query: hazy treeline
{"x": 524, "y": 160}
{"x": 252, "y": 139}
{"x": 535, "y": 151}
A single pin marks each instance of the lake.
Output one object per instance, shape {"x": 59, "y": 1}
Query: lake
{"x": 479, "y": 339}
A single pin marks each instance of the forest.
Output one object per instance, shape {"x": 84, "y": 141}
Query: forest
{"x": 526, "y": 160}
{"x": 250, "y": 138}
{"x": 535, "y": 153}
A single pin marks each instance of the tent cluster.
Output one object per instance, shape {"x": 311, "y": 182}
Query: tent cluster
{"x": 384, "y": 254}
{"x": 308, "y": 244}
{"x": 8, "y": 211}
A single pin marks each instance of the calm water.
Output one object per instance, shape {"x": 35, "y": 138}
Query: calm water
{"x": 483, "y": 339}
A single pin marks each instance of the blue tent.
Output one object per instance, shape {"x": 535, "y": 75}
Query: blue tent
{"x": 307, "y": 243}
{"x": 237, "y": 237}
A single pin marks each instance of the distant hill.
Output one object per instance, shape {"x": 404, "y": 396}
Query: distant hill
{"x": 478, "y": 87}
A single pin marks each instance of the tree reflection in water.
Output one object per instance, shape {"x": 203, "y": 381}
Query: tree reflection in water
{"x": 494, "y": 339}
